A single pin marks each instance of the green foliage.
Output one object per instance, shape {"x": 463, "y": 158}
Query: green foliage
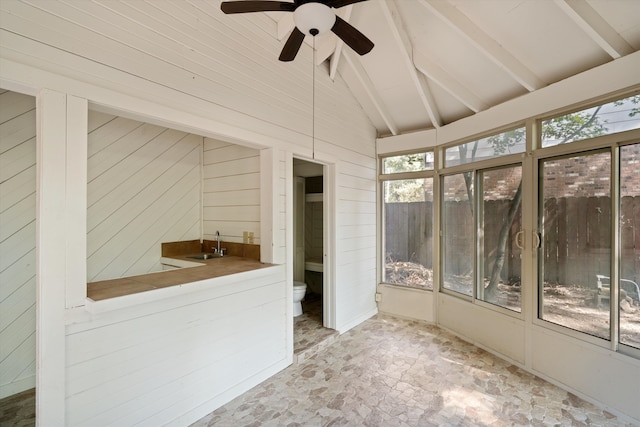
{"x": 407, "y": 162}
{"x": 505, "y": 140}
{"x": 635, "y": 100}
{"x": 406, "y": 190}
{"x": 575, "y": 126}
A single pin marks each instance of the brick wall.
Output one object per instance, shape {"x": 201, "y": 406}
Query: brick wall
{"x": 587, "y": 175}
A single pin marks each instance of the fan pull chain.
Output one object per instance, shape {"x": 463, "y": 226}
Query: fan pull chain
{"x": 313, "y": 101}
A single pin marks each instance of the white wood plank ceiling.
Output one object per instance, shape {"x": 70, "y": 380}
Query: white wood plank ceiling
{"x": 434, "y": 61}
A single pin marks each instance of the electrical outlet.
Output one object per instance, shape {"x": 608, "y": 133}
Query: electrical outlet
{"x": 378, "y": 297}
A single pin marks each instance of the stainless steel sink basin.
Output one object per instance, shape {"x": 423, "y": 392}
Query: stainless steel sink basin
{"x": 205, "y": 256}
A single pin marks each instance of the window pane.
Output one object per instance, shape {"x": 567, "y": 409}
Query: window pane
{"x": 498, "y": 145}
{"x": 501, "y": 223}
{"x": 408, "y": 163}
{"x": 617, "y": 116}
{"x": 576, "y": 242}
{"x": 408, "y": 232}
{"x": 458, "y": 232}
{"x": 630, "y": 245}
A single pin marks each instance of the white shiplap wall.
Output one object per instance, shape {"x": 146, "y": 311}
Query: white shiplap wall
{"x": 143, "y": 189}
{"x": 187, "y": 66}
{"x": 17, "y": 242}
{"x": 356, "y": 235}
{"x": 231, "y": 191}
{"x": 152, "y": 364}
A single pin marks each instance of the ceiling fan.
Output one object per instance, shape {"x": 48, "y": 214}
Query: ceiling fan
{"x": 311, "y": 17}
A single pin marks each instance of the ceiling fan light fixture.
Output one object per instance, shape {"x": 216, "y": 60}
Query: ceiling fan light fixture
{"x": 314, "y": 18}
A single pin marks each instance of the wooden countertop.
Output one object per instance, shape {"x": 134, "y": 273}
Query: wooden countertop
{"x": 215, "y": 267}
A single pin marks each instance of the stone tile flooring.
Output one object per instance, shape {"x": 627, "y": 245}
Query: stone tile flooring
{"x": 389, "y": 372}
{"x": 19, "y": 410}
{"x": 392, "y": 372}
{"x": 309, "y": 336}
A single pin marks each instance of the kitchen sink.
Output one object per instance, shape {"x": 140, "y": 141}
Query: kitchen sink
{"x": 205, "y": 256}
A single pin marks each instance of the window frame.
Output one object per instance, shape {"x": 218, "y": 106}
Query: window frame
{"x": 617, "y": 249}
{"x": 399, "y": 176}
{"x": 539, "y": 290}
{"x": 475, "y": 167}
{"x": 516, "y": 160}
{"x": 529, "y": 161}
{"x": 577, "y": 108}
{"x": 612, "y": 143}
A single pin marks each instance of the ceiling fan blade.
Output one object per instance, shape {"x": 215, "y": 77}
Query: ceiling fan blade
{"x": 256, "y": 6}
{"x": 351, "y": 36}
{"x": 292, "y": 46}
{"x": 340, "y": 3}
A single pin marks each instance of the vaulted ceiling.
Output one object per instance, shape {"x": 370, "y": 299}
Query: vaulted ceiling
{"x": 437, "y": 61}
{"x": 434, "y": 61}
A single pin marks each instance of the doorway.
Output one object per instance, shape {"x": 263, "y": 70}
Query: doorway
{"x": 309, "y": 261}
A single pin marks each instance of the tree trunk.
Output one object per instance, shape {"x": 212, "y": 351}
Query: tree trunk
{"x": 490, "y": 290}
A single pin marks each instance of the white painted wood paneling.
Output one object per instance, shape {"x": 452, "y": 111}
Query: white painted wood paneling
{"x": 407, "y": 302}
{"x": 52, "y": 219}
{"x": 153, "y": 365}
{"x": 186, "y": 66}
{"x": 356, "y": 230}
{"x": 594, "y": 373}
{"x": 143, "y": 189}
{"x": 17, "y": 242}
{"x": 231, "y": 191}
{"x": 483, "y": 327}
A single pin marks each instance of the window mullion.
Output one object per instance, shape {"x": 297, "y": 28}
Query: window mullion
{"x": 614, "y": 300}
{"x": 478, "y": 217}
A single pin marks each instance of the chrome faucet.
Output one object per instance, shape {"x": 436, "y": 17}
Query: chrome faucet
{"x": 218, "y": 240}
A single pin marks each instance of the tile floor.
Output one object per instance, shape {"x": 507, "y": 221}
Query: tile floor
{"x": 389, "y": 372}
{"x": 19, "y": 410}
{"x": 392, "y": 372}
{"x": 309, "y": 336}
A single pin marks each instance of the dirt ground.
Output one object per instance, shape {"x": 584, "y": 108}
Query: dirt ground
{"x": 571, "y": 306}
{"x": 577, "y": 308}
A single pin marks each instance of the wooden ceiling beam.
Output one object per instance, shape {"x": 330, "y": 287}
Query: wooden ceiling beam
{"x": 401, "y": 38}
{"x": 369, "y": 88}
{"x": 337, "y": 53}
{"x": 434, "y": 72}
{"x": 487, "y": 45}
{"x": 592, "y": 23}
{"x": 284, "y": 23}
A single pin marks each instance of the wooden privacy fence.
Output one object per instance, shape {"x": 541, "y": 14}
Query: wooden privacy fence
{"x": 576, "y": 238}
{"x": 409, "y": 232}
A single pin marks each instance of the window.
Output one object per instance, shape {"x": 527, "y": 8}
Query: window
{"x": 407, "y": 210}
{"x": 500, "y": 242}
{"x": 575, "y": 217}
{"x": 458, "y": 233}
{"x": 408, "y": 232}
{"x": 510, "y": 142}
{"x": 480, "y": 250}
{"x": 498, "y": 235}
{"x": 629, "y": 269}
{"x": 605, "y": 119}
{"x": 408, "y": 163}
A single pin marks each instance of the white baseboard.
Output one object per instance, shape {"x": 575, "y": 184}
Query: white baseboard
{"x": 355, "y": 322}
{"x": 211, "y": 405}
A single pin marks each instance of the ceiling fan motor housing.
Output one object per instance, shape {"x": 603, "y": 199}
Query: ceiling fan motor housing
{"x": 314, "y": 18}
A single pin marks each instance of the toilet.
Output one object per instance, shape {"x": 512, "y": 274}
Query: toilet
{"x": 299, "y": 289}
